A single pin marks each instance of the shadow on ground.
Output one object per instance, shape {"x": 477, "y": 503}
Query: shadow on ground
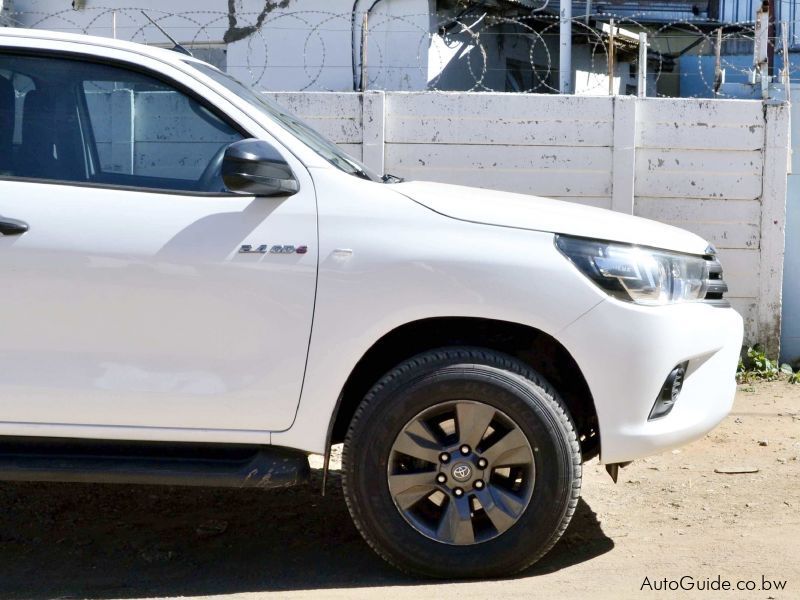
{"x": 103, "y": 541}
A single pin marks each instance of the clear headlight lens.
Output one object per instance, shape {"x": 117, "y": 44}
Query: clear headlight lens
{"x": 637, "y": 274}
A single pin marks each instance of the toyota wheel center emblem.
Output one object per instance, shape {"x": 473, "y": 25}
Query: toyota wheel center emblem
{"x": 462, "y": 472}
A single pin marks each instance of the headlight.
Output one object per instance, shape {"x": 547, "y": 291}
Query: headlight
{"x": 637, "y": 274}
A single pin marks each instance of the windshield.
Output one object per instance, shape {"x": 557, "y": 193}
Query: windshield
{"x": 325, "y": 148}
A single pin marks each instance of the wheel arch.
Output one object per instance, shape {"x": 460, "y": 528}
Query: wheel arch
{"x": 532, "y": 346}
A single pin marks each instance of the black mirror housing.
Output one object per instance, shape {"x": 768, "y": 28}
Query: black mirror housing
{"x": 253, "y": 166}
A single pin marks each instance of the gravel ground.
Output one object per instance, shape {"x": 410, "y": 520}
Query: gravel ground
{"x": 669, "y": 516}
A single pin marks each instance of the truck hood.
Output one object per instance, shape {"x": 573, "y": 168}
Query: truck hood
{"x": 505, "y": 209}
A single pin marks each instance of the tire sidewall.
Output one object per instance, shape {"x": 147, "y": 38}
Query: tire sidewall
{"x": 392, "y": 404}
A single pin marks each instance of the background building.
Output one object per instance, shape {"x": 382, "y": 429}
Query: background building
{"x": 500, "y": 45}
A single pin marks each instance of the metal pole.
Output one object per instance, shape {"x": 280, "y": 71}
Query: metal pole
{"x": 787, "y": 82}
{"x": 611, "y": 57}
{"x": 771, "y": 38}
{"x": 641, "y": 86}
{"x": 364, "y": 38}
{"x": 718, "y": 62}
{"x": 760, "y": 47}
{"x": 565, "y": 50}
{"x": 114, "y": 24}
{"x": 786, "y": 63}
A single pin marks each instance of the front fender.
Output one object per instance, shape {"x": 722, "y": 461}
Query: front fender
{"x": 386, "y": 261}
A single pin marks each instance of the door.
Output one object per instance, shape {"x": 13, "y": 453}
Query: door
{"x": 128, "y": 301}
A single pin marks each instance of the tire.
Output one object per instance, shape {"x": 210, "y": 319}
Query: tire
{"x": 504, "y": 504}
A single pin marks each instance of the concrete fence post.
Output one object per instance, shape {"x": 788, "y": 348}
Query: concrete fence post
{"x": 623, "y": 161}
{"x": 373, "y": 129}
{"x": 773, "y": 221}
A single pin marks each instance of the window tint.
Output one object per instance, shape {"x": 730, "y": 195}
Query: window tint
{"x": 87, "y": 122}
{"x": 7, "y": 113}
{"x": 319, "y": 144}
{"x": 13, "y": 88}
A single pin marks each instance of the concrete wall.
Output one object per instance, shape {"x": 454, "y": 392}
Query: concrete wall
{"x": 714, "y": 167}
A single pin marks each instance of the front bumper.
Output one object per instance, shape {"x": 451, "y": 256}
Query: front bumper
{"x": 625, "y": 352}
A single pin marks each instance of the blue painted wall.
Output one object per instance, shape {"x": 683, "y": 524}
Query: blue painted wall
{"x": 790, "y": 332}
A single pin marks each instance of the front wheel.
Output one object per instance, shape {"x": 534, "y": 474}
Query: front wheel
{"x": 462, "y": 462}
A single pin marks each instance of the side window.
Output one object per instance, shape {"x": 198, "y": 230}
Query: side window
{"x": 13, "y": 89}
{"x": 88, "y": 122}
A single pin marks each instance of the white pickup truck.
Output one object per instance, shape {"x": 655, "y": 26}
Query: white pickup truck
{"x": 201, "y": 290}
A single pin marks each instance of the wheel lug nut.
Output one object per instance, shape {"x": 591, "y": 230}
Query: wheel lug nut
{"x": 479, "y": 484}
{"x": 458, "y": 492}
{"x": 483, "y": 463}
{"x": 465, "y": 449}
{"x": 441, "y": 478}
{"x": 444, "y": 457}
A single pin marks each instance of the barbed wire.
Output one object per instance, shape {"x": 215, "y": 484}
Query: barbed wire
{"x": 312, "y": 50}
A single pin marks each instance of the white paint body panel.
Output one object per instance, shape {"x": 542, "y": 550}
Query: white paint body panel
{"x": 626, "y": 352}
{"x": 136, "y": 309}
{"x": 543, "y": 214}
{"x": 131, "y": 315}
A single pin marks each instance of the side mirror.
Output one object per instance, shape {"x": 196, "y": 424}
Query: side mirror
{"x": 253, "y": 166}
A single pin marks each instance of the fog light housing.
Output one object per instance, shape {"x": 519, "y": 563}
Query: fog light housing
{"x": 669, "y": 392}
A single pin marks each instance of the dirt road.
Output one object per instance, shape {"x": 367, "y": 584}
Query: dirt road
{"x": 668, "y": 517}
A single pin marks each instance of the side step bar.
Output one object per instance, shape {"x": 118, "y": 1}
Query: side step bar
{"x": 159, "y": 463}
